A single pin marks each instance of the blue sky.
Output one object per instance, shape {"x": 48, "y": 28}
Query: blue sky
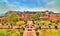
{"x": 30, "y": 5}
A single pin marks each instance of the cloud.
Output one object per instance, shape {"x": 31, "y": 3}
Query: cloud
{"x": 26, "y": 5}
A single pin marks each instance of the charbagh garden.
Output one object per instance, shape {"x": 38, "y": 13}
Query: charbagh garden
{"x": 11, "y": 18}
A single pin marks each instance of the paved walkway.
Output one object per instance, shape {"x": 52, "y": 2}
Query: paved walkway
{"x": 29, "y": 29}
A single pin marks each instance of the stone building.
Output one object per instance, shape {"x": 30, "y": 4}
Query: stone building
{"x": 47, "y": 15}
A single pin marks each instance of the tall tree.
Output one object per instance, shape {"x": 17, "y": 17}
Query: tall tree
{"x": 38, "y": 14}
{"x": 12, "y": 17}
{"x": 25, "y": 20}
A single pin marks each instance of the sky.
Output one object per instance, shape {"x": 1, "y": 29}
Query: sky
{"x": 29, "y": 5}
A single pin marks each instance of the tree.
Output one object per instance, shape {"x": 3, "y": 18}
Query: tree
{"x": 37, "y": 33}
{"x": 12, "y": 17}
{"x": 33, "y": 18}
{"x": 25, "y": 20}
{"x": 38, "y": 14}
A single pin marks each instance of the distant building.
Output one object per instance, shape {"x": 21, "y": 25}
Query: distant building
{"x": 51, "y": 15}
{"x": 47, "y": 15}
{"x": 27, "y": 15}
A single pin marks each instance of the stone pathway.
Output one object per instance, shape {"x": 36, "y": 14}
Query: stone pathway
{"x": 29, "y": 29}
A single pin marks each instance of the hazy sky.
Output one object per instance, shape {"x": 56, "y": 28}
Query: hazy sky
{"x": 30, "y": 5}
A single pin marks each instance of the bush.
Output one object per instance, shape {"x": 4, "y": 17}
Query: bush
{"x": 37, "y": 33}
{"x": 21, "y": 33}
{"x": 20, "y": 22}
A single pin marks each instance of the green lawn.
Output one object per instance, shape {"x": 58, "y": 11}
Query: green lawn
{"x": 13, "y": 32}
{"x": 45, "y": 22}
{"x": 49, "y": 32}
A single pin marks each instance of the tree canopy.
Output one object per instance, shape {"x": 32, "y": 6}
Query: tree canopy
{"x": 37, "y": 15}
{"x": 11, "y": 16}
